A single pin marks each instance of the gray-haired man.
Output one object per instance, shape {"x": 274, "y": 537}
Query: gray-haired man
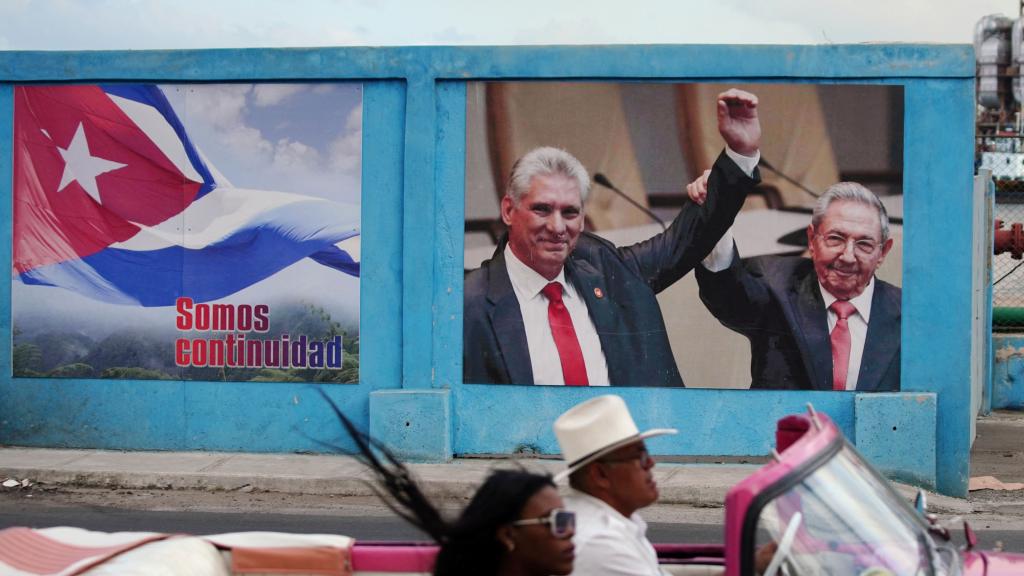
{"x": 824, "y": 323}
{"x": 558, "y": 306}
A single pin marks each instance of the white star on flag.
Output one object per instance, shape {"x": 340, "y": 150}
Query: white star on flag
{"x": 80, "y": 165}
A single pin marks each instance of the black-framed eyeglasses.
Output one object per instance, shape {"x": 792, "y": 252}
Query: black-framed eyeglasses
{"x": 643, "y": 457}
{"x": 835, "y": 241}
{"x": 561, "y": 521}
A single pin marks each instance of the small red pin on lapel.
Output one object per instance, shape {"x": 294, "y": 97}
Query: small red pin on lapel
{"x": 598, "y": 292}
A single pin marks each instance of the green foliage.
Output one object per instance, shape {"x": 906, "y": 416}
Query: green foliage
{"x": 62, "y": 348}
{"x": 25, "y": 373}
{"x": 132, "y": 373}
{"x": 149, "y": 354}
{"x": 317, "y": 324}
{"x": 348, "y": 375}
{"x": 135, "y": 348}
{"x": 351, "y": 346}
{"x": 26, "y": 360}
{"x": 77, "y": 370}
{"x": 273, "y": 375}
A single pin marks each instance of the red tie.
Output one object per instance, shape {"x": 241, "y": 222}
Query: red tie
{"x": 574, "y": 370}
{"x": 841, "y": 343}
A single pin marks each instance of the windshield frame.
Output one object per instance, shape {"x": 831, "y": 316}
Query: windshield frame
{"x": 800, "y": 471}
{"x": 749, "y": 530}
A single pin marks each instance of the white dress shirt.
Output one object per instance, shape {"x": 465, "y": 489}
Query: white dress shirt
{"x": 547, "y": 365}
{"x": 746, "y": 163}
{"x": 720, "y": 256}
{"x": 608, "y": 543}
{"x": 858, "y": 324}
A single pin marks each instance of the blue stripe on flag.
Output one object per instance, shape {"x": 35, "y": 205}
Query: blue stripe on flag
{"x": 334, "y": 257}
{"x": 264, "y": 246}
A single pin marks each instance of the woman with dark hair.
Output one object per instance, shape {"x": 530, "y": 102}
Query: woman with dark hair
{"x": 515, "y": 525}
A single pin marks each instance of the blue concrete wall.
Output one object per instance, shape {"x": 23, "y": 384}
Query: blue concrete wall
{"x": 417, "y": 422}
{"x": 937, "y": 228}
{"x": 1008, "y": 372}
{"x": 413, "y": 190}
{"x": 905, "y": 422}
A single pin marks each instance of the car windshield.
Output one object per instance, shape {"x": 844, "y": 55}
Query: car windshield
{"x": 845, "y": 519}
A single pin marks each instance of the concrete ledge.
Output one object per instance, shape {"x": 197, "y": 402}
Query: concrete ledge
{"x": 289, "y": 473}
{"x": 896, "y": 433}
{"x": 415, "y": 424}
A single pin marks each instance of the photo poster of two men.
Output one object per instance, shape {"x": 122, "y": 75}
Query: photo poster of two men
{"x": 649, "y": 291}
{"x": 187, "y": 232}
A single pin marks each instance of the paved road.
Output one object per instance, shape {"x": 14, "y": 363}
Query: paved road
{"x": 996, "y": 516}
{"x": 999, "y": 449}
{"x": 363, "y": 527}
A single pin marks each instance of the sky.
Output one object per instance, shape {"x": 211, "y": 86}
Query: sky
{"x": 299, "y": 138}
{"x": 168, "y": 24}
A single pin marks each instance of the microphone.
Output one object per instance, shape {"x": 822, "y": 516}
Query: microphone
{"x": 778, "y": 173}
{"x": 603, "y": 180}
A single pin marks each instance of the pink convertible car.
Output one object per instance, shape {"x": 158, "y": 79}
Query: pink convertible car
{"x": 818, "y": 504}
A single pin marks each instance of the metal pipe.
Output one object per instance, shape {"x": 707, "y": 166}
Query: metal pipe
{"x": 1004, "y": 316}
{"x": 1011, "y": 240}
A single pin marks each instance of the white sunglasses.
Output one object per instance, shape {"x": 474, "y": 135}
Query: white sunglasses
{"x": 561, "y": 522}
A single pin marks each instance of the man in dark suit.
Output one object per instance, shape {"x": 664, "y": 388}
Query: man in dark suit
{"x": 824, "y": 323}
{"x": 556, "y": 305}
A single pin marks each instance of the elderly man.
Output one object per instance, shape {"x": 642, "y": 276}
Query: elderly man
{"x": 558, "y": 306}
{"x": 609, "y": 472}
{"x": 820, "y": 324}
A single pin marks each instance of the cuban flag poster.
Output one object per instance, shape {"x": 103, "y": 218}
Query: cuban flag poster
{"x": 187, "y": 232}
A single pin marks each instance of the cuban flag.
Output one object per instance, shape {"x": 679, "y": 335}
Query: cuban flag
{"x": 113, "y": 201}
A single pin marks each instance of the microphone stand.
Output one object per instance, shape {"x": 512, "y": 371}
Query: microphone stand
{"x": 780, "y": 174}
{"x": 603, "y": 180}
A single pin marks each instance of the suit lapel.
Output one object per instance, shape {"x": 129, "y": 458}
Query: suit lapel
{"x": 811, "y": 325}
{"x": 589, "y": 282}
{"x": 883, "y": 339}
{"x": 507, "y": 321}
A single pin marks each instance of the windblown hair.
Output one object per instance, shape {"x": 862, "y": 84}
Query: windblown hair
{"x": 545, "y": 161}
{"x": 469, "y": 546}
{"x": 851, "y": 192}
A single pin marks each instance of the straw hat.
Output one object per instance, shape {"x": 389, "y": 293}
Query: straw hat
{"x": 596, "y": 427}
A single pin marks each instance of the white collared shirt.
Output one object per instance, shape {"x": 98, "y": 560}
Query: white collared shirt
{"x": 547, "y": 365}
{"x": 858, "y": 323}
{"x": 608, "y": 543}
{"x": 720, "y": 257}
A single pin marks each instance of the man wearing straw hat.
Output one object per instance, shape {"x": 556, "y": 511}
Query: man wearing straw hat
{"x": 609, "y": 471}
